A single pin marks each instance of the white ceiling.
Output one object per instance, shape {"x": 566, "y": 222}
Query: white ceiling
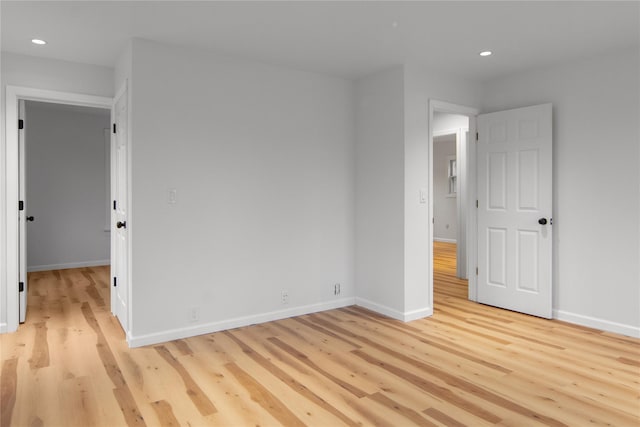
{"x": 341, "y": 38}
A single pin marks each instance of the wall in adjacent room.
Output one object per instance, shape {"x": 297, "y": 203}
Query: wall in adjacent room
{"x": 67, "y": 175}
{"x": 444, "y": 204}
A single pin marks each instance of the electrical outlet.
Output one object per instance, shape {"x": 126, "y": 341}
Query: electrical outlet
{"x": 285, "y": 297}
{"x": 336, "y": 289}
{"x": 194, "y": 314}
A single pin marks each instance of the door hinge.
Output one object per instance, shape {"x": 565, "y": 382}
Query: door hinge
{"x": 114, "y": 128}
{"x": 476, "y": 271}
{"x": 21, "y": 205}
{"x": 114, "y": 205}
{"x": 20, "y": 124}
{"x": 476, "y": 203}
{"x": 115, "y": 282}
{"x": 477, "y": 136}
{"x": 21, "y": 287}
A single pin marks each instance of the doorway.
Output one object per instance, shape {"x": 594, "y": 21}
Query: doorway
{"x": 450, "y": 135}
{"x": 452, "y": 163}
{"x": 16, "y": 218}
{"x": 65, "y": 172}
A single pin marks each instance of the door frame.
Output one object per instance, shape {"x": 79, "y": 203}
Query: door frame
{"x": 11, "y": 178}
{"x": 468, "y": 184}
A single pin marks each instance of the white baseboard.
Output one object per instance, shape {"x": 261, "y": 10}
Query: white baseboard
{"x": 593, "y": 322}
{"x": 207, "y": 328}
{"x": 393, "y": 313}
{"x": 440, "y": 239}
{"x": 3, "y": 328}
{"x": 418, "y": 314}
{"x": 81, "y": 264}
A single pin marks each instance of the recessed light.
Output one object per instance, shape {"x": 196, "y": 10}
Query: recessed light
{"x": 486, "y": 53}
{"x": 38, "y": 41}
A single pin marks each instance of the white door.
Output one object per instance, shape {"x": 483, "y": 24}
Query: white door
{"x": 119, "y": 261}
{"x": 22, "y": 214}
{"x": 514, "y": 153}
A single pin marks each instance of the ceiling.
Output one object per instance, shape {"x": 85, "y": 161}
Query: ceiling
{"x": 347, "y": 39}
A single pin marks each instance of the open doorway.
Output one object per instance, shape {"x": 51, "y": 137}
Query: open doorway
{"x": 451, "y": 207}
{"x": 450, "y": 135}
{"x": 65, "y": 189}
{"x": 14, "y": 171}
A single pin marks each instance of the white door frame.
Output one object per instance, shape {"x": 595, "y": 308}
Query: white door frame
{"x": 470, "y": 188}
{"x": 10, "y": 173}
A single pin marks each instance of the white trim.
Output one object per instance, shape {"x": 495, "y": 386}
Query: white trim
{"x": 393, "y": 313}
{"x": 594, "y": 322}
{"x": 9, "y": 169}
{"x": 3, "y": 328}
{"x": 378, "y": 308}
{"x": 95, "y": 263}
{"x": 421, "y": 313}
{"x": 440, "y": 239}
{"x": 207, "y": 328}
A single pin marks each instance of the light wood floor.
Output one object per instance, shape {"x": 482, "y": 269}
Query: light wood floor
{"x": 468, "y": 365}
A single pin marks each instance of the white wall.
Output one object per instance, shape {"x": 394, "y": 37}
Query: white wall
{"x": 20, "y": 70}
{"x": 380, "y": 191}
{"x": 445, "y": 211}
{"x": 66, "y": 186}
{"x": 596, "y": 180}
{"x": 262, "y": 159}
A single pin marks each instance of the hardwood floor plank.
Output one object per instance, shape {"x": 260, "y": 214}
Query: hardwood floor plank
{"x": 290, "y": 381}
{"x": 199, "y": 398}
{"x": 165, "y": 414}
{"x": 128, "y": 407}
{"x": 8, "y": 386}
{"x": 404, "y": 411}
{"x": 433, "y": 389}
{"x": 79, "y": 404}
{"x": 264, "y": 397}
{"x": 40, "y": 354}
{"x": 301, "y": 357}
{"x": 443, "y": 418}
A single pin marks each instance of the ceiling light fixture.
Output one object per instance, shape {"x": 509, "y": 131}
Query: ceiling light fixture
{"x": 38, "y": 41}
{"x": 486, "y": 53}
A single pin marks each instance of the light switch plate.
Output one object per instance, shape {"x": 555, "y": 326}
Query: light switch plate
{"x": 172, "y": 196}
{"x": 423, "y": 195}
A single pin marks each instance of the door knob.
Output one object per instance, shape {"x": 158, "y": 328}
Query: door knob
{"x": 30, "y": 218}
{"x": 121, "y": 224}
{"x": 542, "y": 221}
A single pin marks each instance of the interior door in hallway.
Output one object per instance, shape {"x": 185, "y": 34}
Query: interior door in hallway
{"x": 514, "y": 170}
{"x": 22, "y": 214}
{"x": 119, "y": 261}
